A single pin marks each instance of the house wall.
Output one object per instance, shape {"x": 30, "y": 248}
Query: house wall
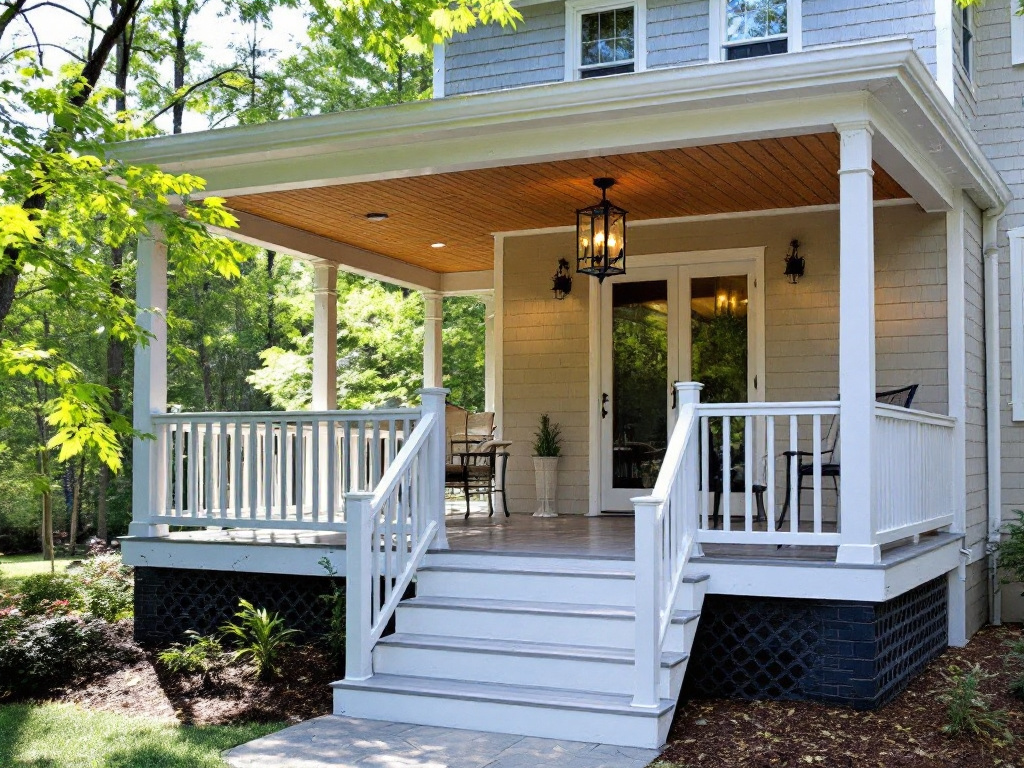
{"x": 489, "y": 57}
{"x": 545, "y": 346}
{"x": 999, "y": 129}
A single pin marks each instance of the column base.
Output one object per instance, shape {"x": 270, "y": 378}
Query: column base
{"x": 859, "y": 554}
{"x": 148, "y": 530}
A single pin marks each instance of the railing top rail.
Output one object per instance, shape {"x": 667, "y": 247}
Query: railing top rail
{"x": 804, "y": 408}
{"x": 279, "y": 415}
{"x": 673, "y": 456}
{"x": 401, "y": 463}
{"x": 912, "y": 414}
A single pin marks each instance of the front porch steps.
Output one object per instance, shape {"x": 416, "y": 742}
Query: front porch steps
{"x": 493, "y": 643}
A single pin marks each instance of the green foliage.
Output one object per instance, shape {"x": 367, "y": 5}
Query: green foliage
{"x": 40, "y": 592}
{"x": 548, "y": 439}
{"x": 336, "y": 601}
{"x": 1011, "y": 549}
{"x": 261, "y": 637}
{"x": 107, "y": 585}
{"x": 201, "y": 655}
{"x": 968, "y": 712}
{"x": 68, "y": 736}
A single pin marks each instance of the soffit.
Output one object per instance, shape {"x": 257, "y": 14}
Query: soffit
{"x": 463, "y": 209}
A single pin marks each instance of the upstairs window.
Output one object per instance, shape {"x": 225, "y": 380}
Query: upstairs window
{"x": 967, "y": 39}
{"x": 603, "y": 38}
{"x": 756, "y": 28}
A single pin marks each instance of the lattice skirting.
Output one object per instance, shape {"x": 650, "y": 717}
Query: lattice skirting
{"x": 169, "y": 601}
{"x": 861, "y": 654}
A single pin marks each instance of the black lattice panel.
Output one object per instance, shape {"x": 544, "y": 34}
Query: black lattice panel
{"x": 856, "y": 653}
{"x": 169, "y": 601}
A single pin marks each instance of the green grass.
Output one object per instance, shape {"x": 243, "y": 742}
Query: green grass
{"x": 14, "y": 569}
{"x": 66, "y": 736}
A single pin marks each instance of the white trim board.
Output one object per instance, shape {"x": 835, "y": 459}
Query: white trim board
{"x": 1017, "y": 322}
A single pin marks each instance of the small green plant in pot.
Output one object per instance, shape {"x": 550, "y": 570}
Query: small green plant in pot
{"x": 547, "y": 447}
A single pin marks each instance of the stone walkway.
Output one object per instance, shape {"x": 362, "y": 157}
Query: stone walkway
{"x": 341, "y": 742}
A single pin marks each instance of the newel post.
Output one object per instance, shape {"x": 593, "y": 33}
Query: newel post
{"x": 648, "y": 625}
{"x": 359, "y": 551}
{"x": 688, "y": 393}
{"x": 432, "y": 400}
{"x": 149, "y": 468}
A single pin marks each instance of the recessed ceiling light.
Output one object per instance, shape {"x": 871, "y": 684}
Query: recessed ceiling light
{"x": 376, "y": 217}
{"x": 437, "y": 245}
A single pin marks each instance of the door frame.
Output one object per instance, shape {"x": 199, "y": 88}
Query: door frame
{"x": 749, "y": 258}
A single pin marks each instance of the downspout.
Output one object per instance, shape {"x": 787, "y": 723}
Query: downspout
{"x": 990, "y": 243}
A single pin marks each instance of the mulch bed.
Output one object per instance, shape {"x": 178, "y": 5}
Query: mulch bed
{"x": 233, "y": 696}
{"x": 904, "y": 734}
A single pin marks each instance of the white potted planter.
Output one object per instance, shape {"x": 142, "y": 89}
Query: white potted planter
{"x": 546, "y": 450}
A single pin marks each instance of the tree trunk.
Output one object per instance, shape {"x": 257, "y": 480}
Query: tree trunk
{"x": 76, "y": 504}
{"x": 179, "y": 20}
{"x": 44, "y": 471}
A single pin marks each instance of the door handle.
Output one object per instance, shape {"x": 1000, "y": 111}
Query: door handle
{"x": 604, "y": 401}
{"x": 674, "y": 397}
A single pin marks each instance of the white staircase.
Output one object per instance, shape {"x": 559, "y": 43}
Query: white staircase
{"x": 530, "y": 645}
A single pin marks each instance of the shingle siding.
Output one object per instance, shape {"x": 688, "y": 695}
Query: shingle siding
{"x": 677, "y": 32}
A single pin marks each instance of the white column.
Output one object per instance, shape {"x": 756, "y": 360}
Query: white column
{"x": 149, "y": 470}
{"x": 432, "y": 319}
{"x": 856, "y": 344}
{"x": 432, "y": 400}
{"x": 490, "y": 353}
{"x": 325, "y": 337}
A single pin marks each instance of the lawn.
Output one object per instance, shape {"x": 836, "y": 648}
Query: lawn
{"x": 34, "y": 735}
{"x": 16, "y": 568}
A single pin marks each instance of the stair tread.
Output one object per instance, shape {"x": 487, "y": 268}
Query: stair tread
{"x": 521, "y": 648}
{"x": 551, "y": 698}
{"x": 532, "y": 606}
{"x": 539, "y": 570}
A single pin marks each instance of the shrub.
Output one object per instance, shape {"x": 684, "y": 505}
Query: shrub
{"x": 200, "y": 655}
{"x": 42, "y": 591}
{"x": 1011, "y": 550}
{"x": 41, "y": 653}
{"x": 1015, "y": 666}
{"x": 336, "y": 601}
{"x": 107, "y": 586}
{"x": 967, "y": 709}
{"x": 261, "y": 636}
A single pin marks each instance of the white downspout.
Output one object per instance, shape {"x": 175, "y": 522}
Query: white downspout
{"x": 990, "y": 241}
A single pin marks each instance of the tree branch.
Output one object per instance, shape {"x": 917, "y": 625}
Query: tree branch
{"x": 10, "y": 14}
{"x": 189, "y": 91}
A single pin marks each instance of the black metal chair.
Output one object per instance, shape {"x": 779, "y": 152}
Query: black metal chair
{"x": 737, "y": 482}
{"x": 902, "y": 397}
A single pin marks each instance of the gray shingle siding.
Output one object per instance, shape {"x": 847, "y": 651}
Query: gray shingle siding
{"x": 827, "y": 22}
{"x": 677, "y": 32}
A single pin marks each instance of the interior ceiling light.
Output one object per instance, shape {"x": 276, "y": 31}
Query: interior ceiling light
{"x": 376, "y": 216}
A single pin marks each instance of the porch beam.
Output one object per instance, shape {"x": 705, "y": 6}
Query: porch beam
{"x": 325, "y": 337}
{"x": 150, "y": 383}
{"x": 901, "y": 156}
{"x": 856, "y": 344}
{"x": 433, "y": 317}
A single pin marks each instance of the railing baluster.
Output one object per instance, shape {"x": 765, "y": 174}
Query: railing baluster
{"x": 816, "y": 442}
{"x": 769, "y": 432}
{"x": 179, "y": 469}
{"x": 314, "y": 465}
{"x": 794, "y": 474}
{"x": 726, "y": 473}
{"x": 748, "y": 474}
{"x": 224, "y": 477}
{"x": 300, "y": 468}
{"x": 705, "y": 465}
{"x": 271, "y": 451}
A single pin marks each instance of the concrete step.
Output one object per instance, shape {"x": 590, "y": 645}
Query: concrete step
{"x": 525, "y": 710}
{"x": 577, "y": 667}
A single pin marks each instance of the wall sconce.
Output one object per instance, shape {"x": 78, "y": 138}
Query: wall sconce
{"x": 794, "y": 263}
{"x": 561, "y": 281}
{"x": 601, "y": 236}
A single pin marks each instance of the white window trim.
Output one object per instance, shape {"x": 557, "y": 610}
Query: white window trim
{"x": 717, "y": 27}
{"x": 1016, "y": 36}
{"x": 966, "y": 66}
{"x": 1017, "y": 322}
{"x": 574, "y": 10}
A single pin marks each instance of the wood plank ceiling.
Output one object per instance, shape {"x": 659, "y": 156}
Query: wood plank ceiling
{"x": 463, "y": 209}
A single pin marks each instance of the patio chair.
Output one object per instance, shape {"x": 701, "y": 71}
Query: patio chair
{"x": 472, "y": 463}
{"x": 902, "y": 397}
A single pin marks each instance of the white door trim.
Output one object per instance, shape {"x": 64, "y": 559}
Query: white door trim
{"x": 756, "y": 339}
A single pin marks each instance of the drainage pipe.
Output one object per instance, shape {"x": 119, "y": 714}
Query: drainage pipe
{"x": 990, "y": 242}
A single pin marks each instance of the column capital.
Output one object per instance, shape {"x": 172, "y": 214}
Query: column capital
{"x": 855, "y": 147}
{"x": 852, "y": 126}
{"x": 325, "y": 280}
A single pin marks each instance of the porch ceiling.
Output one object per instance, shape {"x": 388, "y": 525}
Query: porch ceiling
{"x": 463, "y": 209}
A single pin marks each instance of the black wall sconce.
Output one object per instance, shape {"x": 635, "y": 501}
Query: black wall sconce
{"x": 794, "y": 263}
{"x": 561, "y": 281}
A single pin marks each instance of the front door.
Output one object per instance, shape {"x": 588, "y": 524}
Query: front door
{"x": 662, "y": 324}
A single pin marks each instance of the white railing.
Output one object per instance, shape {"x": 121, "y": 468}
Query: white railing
{"x": 784, "y": 445}
{"x": 665, "y": 530}
{"x": 913, "y": 472}
{"x": 272, "y": 469}
{"x": 388, "y": 532}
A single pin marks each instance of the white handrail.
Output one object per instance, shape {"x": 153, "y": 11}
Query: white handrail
{"x": 665, "y": 525}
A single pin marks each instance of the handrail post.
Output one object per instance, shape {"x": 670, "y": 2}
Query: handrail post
{"x": 359, "y": 550}
{"x": 432, "y": 400}
{"x": 648, "y": 623}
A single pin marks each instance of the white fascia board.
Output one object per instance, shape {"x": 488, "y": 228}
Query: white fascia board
{"x": 263, "y": 233}
{"x": 896, "y": 151}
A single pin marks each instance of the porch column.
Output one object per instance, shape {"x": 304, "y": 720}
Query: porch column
{"x": 856, "y": 344}
{"x": 150, "y": 384}
{"x": 432, "y": 319}
{"x": 489, "y": 353}
{"x": 325, "y": 337}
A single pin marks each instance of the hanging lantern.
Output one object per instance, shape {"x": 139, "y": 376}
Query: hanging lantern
{"x": 561, "y": 281}
{"x": 601, "y": 236}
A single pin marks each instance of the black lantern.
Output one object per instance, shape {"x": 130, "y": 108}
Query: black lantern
{"x": 561, "y": 281}
{"x": 601, "y": 236}
{"x": 794, "y": 263}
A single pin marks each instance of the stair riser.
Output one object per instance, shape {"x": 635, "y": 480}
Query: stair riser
{"x": 574, "y": 674}
{"x": 540, "y": 628}
{"x": 690, "y": 597}
{"x": 532, "y": 587}
{"x": 544, "y": 722}
{"x": 489, "y": 561}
